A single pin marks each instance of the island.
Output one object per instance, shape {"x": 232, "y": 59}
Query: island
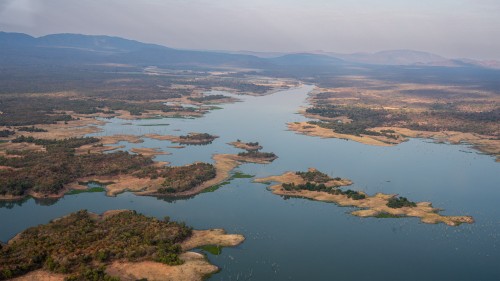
{"x": 189, "y": 139}
{"x": 248, "y": 146}
{"x": 316, "y": 185}
{"x": 117, "y": 245}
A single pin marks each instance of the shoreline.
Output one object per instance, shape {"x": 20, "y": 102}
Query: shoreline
{"x": 370, "y": 206}
{"x": 484, "y": 144}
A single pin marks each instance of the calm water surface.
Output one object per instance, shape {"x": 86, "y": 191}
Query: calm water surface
{"x": 297, "y": 239}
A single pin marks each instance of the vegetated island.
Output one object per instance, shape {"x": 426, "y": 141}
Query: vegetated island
{"x": 59, "y": 166}
{"x": 189, "y": 139}
{"x": 316, "y": 185}
{"x": 248, "y": 146}
{"x": 117, "y": 245}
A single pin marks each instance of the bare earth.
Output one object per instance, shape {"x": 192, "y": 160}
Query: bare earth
{"x": 371, "y": 206}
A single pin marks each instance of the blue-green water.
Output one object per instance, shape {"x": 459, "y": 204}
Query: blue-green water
{"x": 297, "y": 239}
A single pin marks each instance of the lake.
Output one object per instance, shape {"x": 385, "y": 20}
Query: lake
{"x": 298, "y": 239}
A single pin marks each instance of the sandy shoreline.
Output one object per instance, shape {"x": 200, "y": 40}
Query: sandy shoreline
{"x": 371, "y": 206}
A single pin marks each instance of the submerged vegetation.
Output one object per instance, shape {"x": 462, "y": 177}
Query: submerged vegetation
{"x": 82, "y": 244}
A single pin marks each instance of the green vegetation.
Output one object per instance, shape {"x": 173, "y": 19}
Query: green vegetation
{"x": 400, "y": 202}
{"x": 321, "y": 187}
{"x": 6, "y": 133}
{"x": 362, "y": 118}
{"x": 31, "y": 129}
{"x": 197, "y": 139}
{"x": 215, "y": 187}
{"x": 208, "y": 98}
{"x": 48, "y": 172}
{"x": 315, "y": 176}
{"x": 212, "y": 249}
{"x": 82, "y": 244}
{"x": 257, "y": 154}
{"x": 88, "y": 190}
{"x": 69, "y": 143}
{"x": 182, "y": 178}
{"x": 240, "y": 175}
{"x": 387, "y": 216}
{"x": 438, "y": 117}
{"x": 318, "y": 181}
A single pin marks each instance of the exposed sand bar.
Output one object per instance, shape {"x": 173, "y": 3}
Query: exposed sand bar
{"x": 371, "y": 206}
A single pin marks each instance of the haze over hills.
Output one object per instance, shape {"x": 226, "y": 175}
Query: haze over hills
{"x": 19, "y": 48}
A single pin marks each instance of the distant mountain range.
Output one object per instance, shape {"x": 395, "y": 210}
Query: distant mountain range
{"x": 19, "y": 48}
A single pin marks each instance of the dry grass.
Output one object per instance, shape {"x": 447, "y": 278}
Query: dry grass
{"x": 148, "y": 152}
{"x": 212, "y": 237}
{"x": 194, "y": 268}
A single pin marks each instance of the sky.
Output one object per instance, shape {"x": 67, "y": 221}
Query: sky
{"x": 452, "y": 28}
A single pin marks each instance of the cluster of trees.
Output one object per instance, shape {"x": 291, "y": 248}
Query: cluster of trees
{"x": 6, "y": 133}
{"x": 362, "y": 118}
{"x": 197, "y": 139}
{"x": 31, "y": 129}
{"x": 182, "y": 178}
{"x": 82, "y": 245}
{"x": 257, "y": 154}
{"x": 252, "y": 143}
{"x": 68, "y": 143}
{"x": 400, "y": 202}
{"x": 47, "y": 172}
{"x": 208, "y": 98}
{"x": 311, "y": 186}
{"x": 315, "y": 176}
{"x": 485, "y": 122}
{"x": 438, "y": 117}
{"x": 321, "y": 187}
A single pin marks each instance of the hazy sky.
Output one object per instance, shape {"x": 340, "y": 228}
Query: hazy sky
{"x": 453, "y": 28}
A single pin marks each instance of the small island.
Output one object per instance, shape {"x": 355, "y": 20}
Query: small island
{"x": 316, "y": 185}
{"x": 118, "y": 244}
{"x": 189, "y": 139}
{"x": 248, "y": 146}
